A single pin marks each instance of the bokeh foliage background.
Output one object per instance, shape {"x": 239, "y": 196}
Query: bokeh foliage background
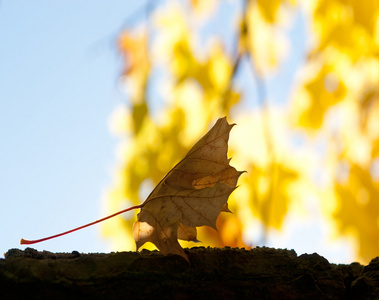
{"x": 322, "y": 144}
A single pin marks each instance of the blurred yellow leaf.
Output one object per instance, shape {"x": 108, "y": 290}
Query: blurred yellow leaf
{"x": 357, "y": 212}
{"x": 319, "y": 93}
{"x": 269, "y": 9}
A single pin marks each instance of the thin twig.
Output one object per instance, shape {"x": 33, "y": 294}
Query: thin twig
{"x": 266, "y": 120}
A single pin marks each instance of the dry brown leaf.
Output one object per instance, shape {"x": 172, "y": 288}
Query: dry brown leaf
{"x": 192, "y": 194}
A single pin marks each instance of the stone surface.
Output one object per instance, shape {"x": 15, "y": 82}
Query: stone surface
{"x": 227, "y": 273}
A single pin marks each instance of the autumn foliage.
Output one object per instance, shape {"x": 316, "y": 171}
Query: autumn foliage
{"x": 184, "y": 66}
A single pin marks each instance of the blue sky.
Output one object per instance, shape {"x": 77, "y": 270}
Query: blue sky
{"x": 58, "y": 87}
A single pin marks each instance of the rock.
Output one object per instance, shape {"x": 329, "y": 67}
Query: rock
{"x": 228, "y": 273}
{"x": 366, "y": 286}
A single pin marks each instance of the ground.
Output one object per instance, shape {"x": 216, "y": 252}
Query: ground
{"x": 227, "y": 273}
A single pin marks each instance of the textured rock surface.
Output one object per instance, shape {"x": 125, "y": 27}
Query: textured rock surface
{"x": 260, "y": 273}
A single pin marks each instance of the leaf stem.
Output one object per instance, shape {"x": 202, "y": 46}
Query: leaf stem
{"x": 28, "y": 242}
